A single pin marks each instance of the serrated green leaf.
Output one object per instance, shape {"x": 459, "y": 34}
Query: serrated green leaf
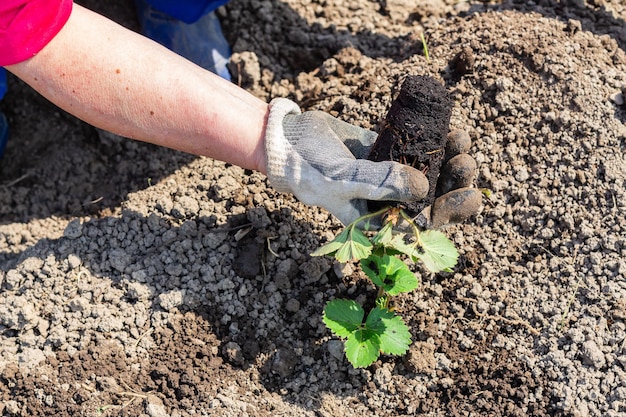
{"x": 356, "y": 247}
{"x": 402, "y": 279}
{"x": 393, "y": 333}
{"x": 328, "y": 249}
{"x": 390, "y": 273}
{"x": 374, "y": 268}
{"x": 437, "y": 251}
{"x": 349, "y": 245}
{"x": 362, "y": 348}
{"x": 343, "y": 316}
{"x": 383, "y": 236}
{"x": 398, "y": 244}
{"x": 397, "y": 338}
{"x": 333, "y": 246}
{"x": 374, "y": 321}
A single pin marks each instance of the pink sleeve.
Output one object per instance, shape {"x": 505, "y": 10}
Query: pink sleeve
{"x": 26, "y": 26}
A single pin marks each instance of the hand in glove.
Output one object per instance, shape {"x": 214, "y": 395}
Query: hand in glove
{"x": 319, "y": 159}
{"x": 455, "y": 198}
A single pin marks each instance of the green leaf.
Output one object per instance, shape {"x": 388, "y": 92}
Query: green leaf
{"x": 402, "y": 279}
{"x": 383, "y": 236}
{"x": 397, "y": 338}
{"x": 374, "y": 268}
{"x": 349, "y": 245}
{"x": 343, "y": 316}
{"x": 393, "y": 333}
{"x": 374, "y": 321}
{"x": 333, "y": 246}
{"x": 358, "y": 246}
{"x": 382, "y": 301}
{"x": 437, "y": 251}
{"x": 398, "y": 244}
{"x": 328, "y": 249}
{"x": 390, "y": 273}
{"x": 362, "y": 348}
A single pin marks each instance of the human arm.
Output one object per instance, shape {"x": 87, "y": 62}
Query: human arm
{"x": 120, "y": 81}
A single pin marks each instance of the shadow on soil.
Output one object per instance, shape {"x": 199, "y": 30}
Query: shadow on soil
{"x": 195, "y": 353}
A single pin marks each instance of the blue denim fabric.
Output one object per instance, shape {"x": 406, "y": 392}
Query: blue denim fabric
{"x": 4, "y": 124}
{"x": 3, "y": 82}
{"x": 188, "y": 11}
{"x": 201, "y": 42}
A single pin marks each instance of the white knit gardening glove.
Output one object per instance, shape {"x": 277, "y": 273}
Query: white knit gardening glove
{"x": 317, "y": 158}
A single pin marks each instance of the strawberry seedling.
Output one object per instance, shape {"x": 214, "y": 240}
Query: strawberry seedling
{"x": 383, "y": 256}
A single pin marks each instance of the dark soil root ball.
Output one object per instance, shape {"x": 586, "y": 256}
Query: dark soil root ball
{"x": 414, "y": 133}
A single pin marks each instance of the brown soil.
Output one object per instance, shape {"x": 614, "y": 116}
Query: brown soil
{"x": 138, "y": 281}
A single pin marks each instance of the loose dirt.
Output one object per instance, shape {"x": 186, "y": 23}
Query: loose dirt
{"x": 139, "y": 281}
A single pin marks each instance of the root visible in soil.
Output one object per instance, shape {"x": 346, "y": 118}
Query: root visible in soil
{"x": 414, "y": 132}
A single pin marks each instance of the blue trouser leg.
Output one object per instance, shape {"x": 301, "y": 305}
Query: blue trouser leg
{"x": 4, "y": 124}
{"x": 3, "y": 82}
{"x": 189, "y": 11}
{"x": 191, "y": 30}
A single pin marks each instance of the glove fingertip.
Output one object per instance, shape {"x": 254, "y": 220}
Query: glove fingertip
{"x": 417, "y": 184}
{"x": 458, "y": 142}
{"x": 455, "y": 207}
{"x": 458, "y": 172}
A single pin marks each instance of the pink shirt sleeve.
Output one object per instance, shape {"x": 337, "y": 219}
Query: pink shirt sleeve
{"x": 26, "y": 26}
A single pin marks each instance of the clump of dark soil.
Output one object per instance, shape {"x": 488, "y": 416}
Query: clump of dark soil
{"x": 414, "y": 131}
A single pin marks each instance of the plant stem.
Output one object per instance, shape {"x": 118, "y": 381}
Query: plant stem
{"x": 425, "y": 46}
{"x": 365, "y": 217}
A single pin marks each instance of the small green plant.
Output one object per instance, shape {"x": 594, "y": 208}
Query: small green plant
{"x": 382, "y": 255}
{"x": 425, "y": 47}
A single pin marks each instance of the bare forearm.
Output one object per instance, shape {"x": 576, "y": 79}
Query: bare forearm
{"x": 120, "y": 81}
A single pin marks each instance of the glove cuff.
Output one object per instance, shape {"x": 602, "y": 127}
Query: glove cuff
{"x": 276, "y": 144}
